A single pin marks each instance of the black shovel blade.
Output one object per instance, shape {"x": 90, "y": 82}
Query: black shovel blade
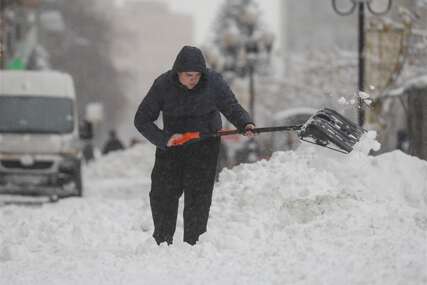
{"x": 330, "y": 129}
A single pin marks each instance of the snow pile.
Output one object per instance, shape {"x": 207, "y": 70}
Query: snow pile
{"x": 135, "y": 161}
{"x": 307, "y": 217}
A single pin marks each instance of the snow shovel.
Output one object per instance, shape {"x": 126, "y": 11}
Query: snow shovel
{"x": 326, "y": 128}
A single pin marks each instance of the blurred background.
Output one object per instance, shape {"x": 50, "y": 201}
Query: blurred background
{"x": 283, "y": 59}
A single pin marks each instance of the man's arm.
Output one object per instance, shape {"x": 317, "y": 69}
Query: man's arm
{"x": 148, "y": 112}
{"x": 229, "y": 106}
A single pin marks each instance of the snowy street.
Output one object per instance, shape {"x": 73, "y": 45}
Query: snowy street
{"x": 305, "y": 217}
{"x": 115, "y": 112}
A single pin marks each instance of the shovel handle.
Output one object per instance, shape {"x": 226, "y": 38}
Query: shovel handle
{"x": 185, "y": 137}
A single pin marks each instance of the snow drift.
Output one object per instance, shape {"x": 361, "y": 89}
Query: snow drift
{"x": 306, "y": 217}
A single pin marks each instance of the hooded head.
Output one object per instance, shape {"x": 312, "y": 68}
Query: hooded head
{"x": 190, "y": 59}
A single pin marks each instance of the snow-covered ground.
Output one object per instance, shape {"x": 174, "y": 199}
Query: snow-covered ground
{"x": 307, "y": 217}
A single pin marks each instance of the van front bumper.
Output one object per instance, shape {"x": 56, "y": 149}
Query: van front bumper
{"x": 44, "y": 185}
{"x": 48, "y": 175}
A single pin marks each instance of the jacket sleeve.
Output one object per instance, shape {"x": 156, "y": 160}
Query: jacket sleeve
{"x": 148, "y": 112}
{"x": 228, "y": 105}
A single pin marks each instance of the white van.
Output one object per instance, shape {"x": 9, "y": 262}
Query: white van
{"x": 40, "y": 149}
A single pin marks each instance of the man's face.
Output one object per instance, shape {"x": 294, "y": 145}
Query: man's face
{"x": 189, "y": 79}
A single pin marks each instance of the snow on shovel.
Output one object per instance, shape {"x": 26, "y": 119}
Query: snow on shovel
{"x": 326, "y": 128}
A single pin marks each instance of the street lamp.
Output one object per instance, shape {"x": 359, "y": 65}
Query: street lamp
{"x": 360, "y": 4}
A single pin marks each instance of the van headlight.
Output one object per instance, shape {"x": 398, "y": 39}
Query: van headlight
{"x": 71, "y": 146}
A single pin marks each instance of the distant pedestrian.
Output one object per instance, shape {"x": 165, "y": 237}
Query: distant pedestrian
{"x": 134, "y": 141}
{"x": 88, "y": 152}
{"x": 112, "y": 144}
{"x": 191, "y": 98}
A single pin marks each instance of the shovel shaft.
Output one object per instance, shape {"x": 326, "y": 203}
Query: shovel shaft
{"x": 192, "y": 136}
{"x": 257, "y": 130}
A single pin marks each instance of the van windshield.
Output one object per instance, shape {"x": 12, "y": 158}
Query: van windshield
{"x": 29, "y": 114}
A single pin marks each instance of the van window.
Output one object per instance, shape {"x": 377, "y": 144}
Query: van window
{"x": 30, "y": 114}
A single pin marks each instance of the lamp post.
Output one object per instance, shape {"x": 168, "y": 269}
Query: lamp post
{"x": 250, "y": 45}
{"x": 242, "y": 50}
{"x": 360, "y": 5}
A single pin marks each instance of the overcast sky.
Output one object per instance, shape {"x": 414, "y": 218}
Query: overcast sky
{"x": 204, "y": 13}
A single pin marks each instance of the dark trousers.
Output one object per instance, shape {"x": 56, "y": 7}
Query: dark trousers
{"x": 188, "y": 169}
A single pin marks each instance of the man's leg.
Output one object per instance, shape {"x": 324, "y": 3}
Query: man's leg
{"x": 199, "y": 179}
{"x": 166, "y": 188}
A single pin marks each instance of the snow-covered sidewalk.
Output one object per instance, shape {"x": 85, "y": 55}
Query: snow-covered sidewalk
{"x": 305, "y": 217}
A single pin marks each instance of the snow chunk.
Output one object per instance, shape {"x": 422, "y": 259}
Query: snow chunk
{"x": 364, "y": 95}
{"x": 368, "y": 101}
{"x": 342, "y": 101}
{"x": 367, "y": 143}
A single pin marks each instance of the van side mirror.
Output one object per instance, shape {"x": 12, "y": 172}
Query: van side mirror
{"x": 86, "y": 130}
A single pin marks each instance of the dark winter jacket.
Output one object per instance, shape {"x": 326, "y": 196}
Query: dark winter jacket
{"x": 187, "y": 110}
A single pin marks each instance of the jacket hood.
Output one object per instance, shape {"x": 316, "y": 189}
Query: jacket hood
{"x": 190, "y": 59}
